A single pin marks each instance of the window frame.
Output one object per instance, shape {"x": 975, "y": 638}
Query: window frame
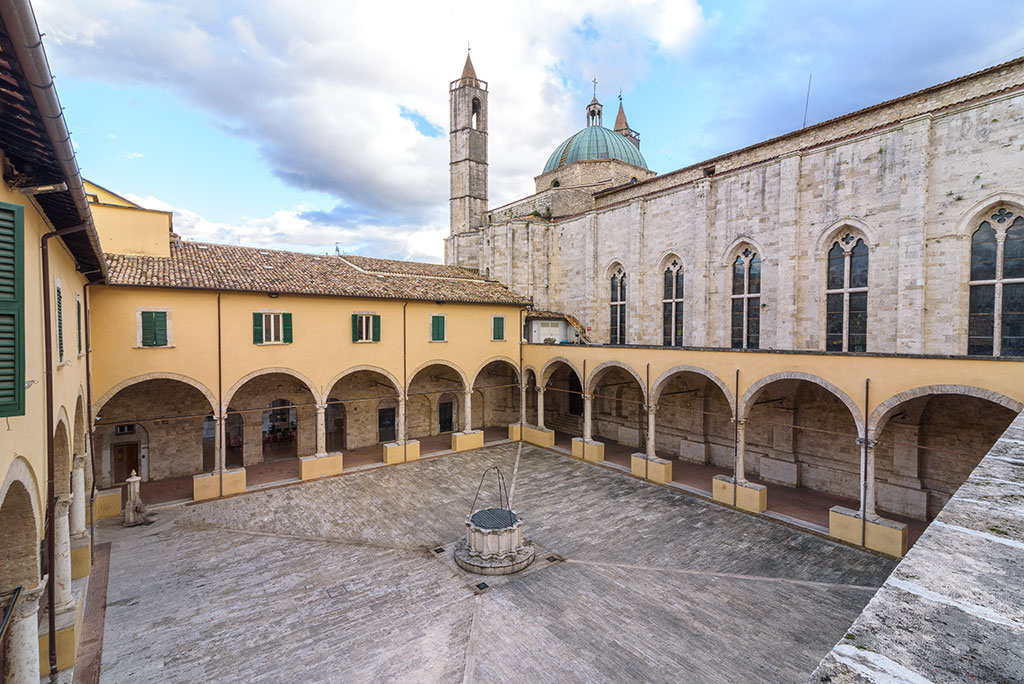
{"x": 503, "y": 337}
{"x": 617, "y": 306}
{"x": 13, "y": 306}
{"x": 444, "y": 327}
{"x": 138, "y": 327}
{"x": 78, "y": 322}
{"x": 847, "y": 241}
{"x": 1000, "y": 218}
{"x": 672, "y": 330}
{"x": 746, "y": 257}
{"x": 285, "y": 326}
{"x": 59, "y": 312}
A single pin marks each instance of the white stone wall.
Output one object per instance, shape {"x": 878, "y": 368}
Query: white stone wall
{"x": 914, "y": 188}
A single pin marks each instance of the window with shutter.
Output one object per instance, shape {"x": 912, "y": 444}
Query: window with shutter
{"x": 12, "y": 310}
{"x": 437, "y": 328}
{"x": 271, "y": 328}
{"x": 365, "y": 328}
{"x": 60, "y": 326}
{"x": 154, "y": 328}
{"x": 286, "y": 328}
{"x": 78, "y": 321}
{"x": 498, "y": 328}
{"x": 376, "y": 327}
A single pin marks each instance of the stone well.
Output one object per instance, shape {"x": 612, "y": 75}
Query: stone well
{"x": 494, "y": 543}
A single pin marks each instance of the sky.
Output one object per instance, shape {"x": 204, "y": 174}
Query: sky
{"x": 317, "y": 125}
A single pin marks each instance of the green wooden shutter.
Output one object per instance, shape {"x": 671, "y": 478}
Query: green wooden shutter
{"x": 60, "y": 326}
{"x": 376, "y": 328}
{"x": 355, "y": 327}
{"x": 12, "y": 310}
{"x": 257, "y": 328}
{"x": 499, "y": 327}
{"x": 78, "y": 322}
{"x": 437, "y": 329}
{"x": 148, "y": 329}
{"x": 159, "y": 328}
{"x": 286, "y": 325}
{"x": 433, "y": 328}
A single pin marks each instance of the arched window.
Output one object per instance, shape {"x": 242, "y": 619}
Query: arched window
{"x": 746, "y": 301}
{"x": 618, "y": 307}
{"x": 672, "y": 305}
{"x": 846, "y": 296}
{"x": 997, "y": 286}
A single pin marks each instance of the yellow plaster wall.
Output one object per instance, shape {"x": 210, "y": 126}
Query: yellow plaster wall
{"x": 104, "y": 196}
{"x": 322, "y": 346}
{"x": 25, "y": 436}
{"x": 132, "y": 230}
{"x": 889, "y": 375}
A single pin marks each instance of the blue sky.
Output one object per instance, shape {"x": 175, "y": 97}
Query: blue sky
{"x": 309, "y": 123}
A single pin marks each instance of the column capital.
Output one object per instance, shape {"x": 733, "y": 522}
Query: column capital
{"x": 740, "y": 421}
{"x": 62, "y": 505}
{"x": 588, "y": 397}
{"x": 652, "y": 408}
{"x": 321, "y": 408}
{"x": 538, "y": 389}
{"x": 467, "y": 392}
{"x": 78, "y": 461}
{"x": 28, "y": 601}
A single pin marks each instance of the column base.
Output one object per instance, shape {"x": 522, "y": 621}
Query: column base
{"x": 749, "y": 496}
{"x": 887, "y": 536}
{"x": 107, "y": 505}
{"x": 587, "y": 450}
{"x": 81, "y": 557}
{"x": 651, "y": 467}
{"x": 320, "y": 465}
{"x": 397, "y": 452}
{"x": 208, "y": 485}
{"x": 539, "y": 436}
{"x": 67, "y": 635}
{"x": 464, "y": 441}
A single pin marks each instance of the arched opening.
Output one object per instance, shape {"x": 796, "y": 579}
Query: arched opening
{"x": 19, "y": 564}
{"x": 278, "y": 425}
{"x": 619, "y": 418}
{"x": 531, "y": 398}
{"x": 232, "y": 441}
{"x": 476, "y": 113}
{"x": 694, "y": 429}
{"x": 563, "y": 403}
{"x": 361, "y": 416}
{"x": 62, "y": 461}
{"x": 555, "y": 183}
{"x": 927, "y": 448}
{"x": 495, "y": 400}
{"x": 432, "y": 421}
{"x": 154, "y": 427}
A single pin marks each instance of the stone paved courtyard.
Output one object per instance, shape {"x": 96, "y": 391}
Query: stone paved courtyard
{"x": 337, "y": 581}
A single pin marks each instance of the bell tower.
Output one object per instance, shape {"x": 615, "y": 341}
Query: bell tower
{"x": 467, "y": 97}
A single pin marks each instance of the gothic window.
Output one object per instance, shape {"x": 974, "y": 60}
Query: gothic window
{"x": 476, "y": 113}
{"x": 846, "y": 296}
{"x": 995, "y": 324}
{"x": 746, "y": 300}
{"x": 618, "y": 307}
{"x": 672, "y": 305}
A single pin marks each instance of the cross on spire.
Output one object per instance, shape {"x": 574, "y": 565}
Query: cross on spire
{"x": 595, "y": 86}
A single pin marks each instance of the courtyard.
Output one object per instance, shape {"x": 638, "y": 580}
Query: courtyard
{"x": 349, "y": 579}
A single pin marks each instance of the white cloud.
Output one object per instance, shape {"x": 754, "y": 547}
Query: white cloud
{"x": 320, "y": 85}
{"x": 133, "y": 155}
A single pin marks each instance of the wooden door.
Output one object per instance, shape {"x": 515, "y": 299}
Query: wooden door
{"x": 386, "y": 425}
{"x": 126, "y": 459}
{"x": 445, "y": 416}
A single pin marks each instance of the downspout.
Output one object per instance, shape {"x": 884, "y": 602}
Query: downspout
{"x": 50, "y": 456}
{"x": 522, "y": 396}
{"x": 405, "y": 388}
{"x": 221, "y": 421}
{"x": 90, "y": 421}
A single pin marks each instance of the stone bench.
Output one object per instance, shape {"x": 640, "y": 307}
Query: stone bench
{"x": 320, "y": 465}
{"x": 879, "y": 534}
{"x": 208, "y": 485}
{"x": 587, "y": 450}
{"x": 397, "y": 452}
{"x": 470, "y": 439}
{"x": 748, "y": 496}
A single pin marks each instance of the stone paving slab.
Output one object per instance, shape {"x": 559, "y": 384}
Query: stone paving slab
{"x": 336, "y": 581}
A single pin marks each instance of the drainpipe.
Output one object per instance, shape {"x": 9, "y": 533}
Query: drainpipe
{"x": 50, "y": 456}
{"x": 405, "y": 388}
{"x": 522, "y": 403}
{"x": 219, "y": 418}
{"x": 89, "y": 421}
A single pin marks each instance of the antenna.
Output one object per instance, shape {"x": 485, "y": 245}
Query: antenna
{"x": 337, "y": 252}
{"x": 808, "y": 100}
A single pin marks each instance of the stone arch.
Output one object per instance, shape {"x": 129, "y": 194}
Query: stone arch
{"x": 62, "y": 456}
{"x": 613, "y": 266}
{"x": 595, "y": 376}
{"x": 666, "y": 258}
{"x": 20, "y": 519}
{"x": 109, "y": 394}
{"x": 546, "y": 370}
{"x": 510, "y": 362}
{"x": 665, "y": 377}
{"x": 734, "y": 247}
{"x": 885, "y": 410}
{"x": 441, "y": 362}
{"x": 355, "y": 369}
{"x": 747, "y": 400}
{"x": 965, "y": 226}
{"x": 832, "y": 231}
{"x": 269, "y": 371}
{"x": 80, "y": 428}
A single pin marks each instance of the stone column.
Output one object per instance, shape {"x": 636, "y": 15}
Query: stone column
{"x": 78, "y": 497}
{"x": 62, "y": 556}
{"x": 540, "y": 407}
{"x": 588, "y": 414}
{"x": 400, "y": 421}
{"x": 651, "y": 449}
{"x": 321, "y": 429}
{"x": 522, "y": 402}
{"x": 741, "y": 448}
{"x": 21, "y": 645}
{"x": 867, "y": 494}
{"x": 132, "y": 509}
{"x": 220, "y": 453}
{"x": 467, "y": 411}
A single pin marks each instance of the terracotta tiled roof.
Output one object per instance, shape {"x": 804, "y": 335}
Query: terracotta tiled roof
{"x": 204, "y": 266}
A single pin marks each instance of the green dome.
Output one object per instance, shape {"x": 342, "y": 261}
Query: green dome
{"x": 595, "y": 142}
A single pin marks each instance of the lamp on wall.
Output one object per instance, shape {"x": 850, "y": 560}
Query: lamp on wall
{"x": 273, "y": 295}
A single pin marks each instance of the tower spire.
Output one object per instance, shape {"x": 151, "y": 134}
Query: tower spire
{"x": 468, "y": 71}
{"x": 622, "y": 126}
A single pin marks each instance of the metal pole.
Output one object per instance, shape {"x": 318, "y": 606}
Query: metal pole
{"x": 405, "y": 388}
{"x": 864, "y": 468}
{"x": 218, "y": 420}
{"x": 736, "y": 439}
{"x": 647, "y": 405}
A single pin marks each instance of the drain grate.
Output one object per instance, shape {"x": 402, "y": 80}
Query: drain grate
{"x": 552, "y": 559}
{"x": 482, "y": 585}
{"x": 439, "y": 550}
